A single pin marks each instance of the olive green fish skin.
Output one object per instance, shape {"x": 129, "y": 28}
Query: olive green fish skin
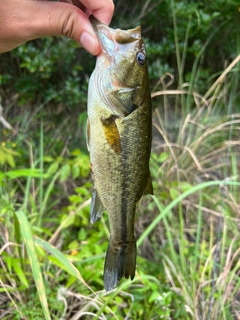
{"x": 119, "y": 142}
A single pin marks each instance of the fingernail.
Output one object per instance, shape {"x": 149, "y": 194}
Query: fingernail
{"x": 89, "y": 43}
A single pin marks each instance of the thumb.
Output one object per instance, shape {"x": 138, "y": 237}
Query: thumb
{"x": 56, "y": 19}
{"x": 22, "y": 20}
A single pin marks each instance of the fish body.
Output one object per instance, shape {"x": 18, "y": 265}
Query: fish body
{"x": 119, "y": 142}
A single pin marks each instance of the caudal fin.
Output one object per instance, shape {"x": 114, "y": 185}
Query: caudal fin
{"x": 120, "y": 262}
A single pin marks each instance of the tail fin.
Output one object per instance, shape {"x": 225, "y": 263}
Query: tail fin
{"x": 120, "y": 262}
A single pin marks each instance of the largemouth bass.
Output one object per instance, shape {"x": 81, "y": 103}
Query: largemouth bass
{"x": 119, "y": 141}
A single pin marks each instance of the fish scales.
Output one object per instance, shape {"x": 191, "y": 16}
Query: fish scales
{"x": 119, "y": 142}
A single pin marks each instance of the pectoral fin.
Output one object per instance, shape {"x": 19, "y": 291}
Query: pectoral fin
{"x": 111, "y": 133}
{"x": 149, "y": 187}
{"x": 96, "y": 207}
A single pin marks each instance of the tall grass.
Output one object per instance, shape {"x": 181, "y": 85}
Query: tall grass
{"x": 202, "y": 233}
{"x": 195, "y": 208}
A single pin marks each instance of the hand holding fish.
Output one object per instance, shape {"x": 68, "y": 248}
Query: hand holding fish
{"x": 24, "y": 20}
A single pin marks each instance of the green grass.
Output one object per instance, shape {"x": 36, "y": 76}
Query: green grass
{"x": 191, "y": 230}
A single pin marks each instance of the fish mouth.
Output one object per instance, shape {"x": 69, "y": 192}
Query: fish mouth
{"x": 103, "y": 34}
{"x": 115, "y": 40}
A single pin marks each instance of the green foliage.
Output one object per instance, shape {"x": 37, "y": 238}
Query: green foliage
{"x": 176, "y": 33}
{"x": 35, "y": 266}
{"x": 182, "y": 35}
{"x": 50, "y": 65}
{"x": 76, "y": 165}
{"x": 7, "y": 156}
{"x": 32, "y": 309}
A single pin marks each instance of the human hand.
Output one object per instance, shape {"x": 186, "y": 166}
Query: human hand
{"x": 24, "y": 20}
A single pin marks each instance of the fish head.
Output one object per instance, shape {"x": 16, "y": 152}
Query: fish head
{"x": 121, "y": 69}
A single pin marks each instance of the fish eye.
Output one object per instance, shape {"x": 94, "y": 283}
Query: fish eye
{"x": 141, "y": 58}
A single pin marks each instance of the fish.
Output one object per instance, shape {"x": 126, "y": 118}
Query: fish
{"x": 119, "y": 134}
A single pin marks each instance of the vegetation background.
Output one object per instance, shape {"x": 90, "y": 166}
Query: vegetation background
{"x": 188, "y": 265}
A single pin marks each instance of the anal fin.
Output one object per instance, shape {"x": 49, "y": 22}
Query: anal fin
{"x": 96, "y": 207}
{"x": 149, "y": 187}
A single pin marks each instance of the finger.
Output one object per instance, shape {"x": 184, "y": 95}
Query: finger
{"x": 101, "y": 9}
{"x": 55, "y": 18}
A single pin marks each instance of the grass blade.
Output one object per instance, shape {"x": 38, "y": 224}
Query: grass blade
{"x": 67, "y": 265}
{"x": 37, "y": 275}
{"x": 182, "y": 196}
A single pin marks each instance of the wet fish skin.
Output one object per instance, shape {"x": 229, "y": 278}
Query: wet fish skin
{"x": 119, "y": 142}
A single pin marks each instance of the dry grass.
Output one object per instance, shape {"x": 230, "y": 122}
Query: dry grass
{"x": 204, "y": 145}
